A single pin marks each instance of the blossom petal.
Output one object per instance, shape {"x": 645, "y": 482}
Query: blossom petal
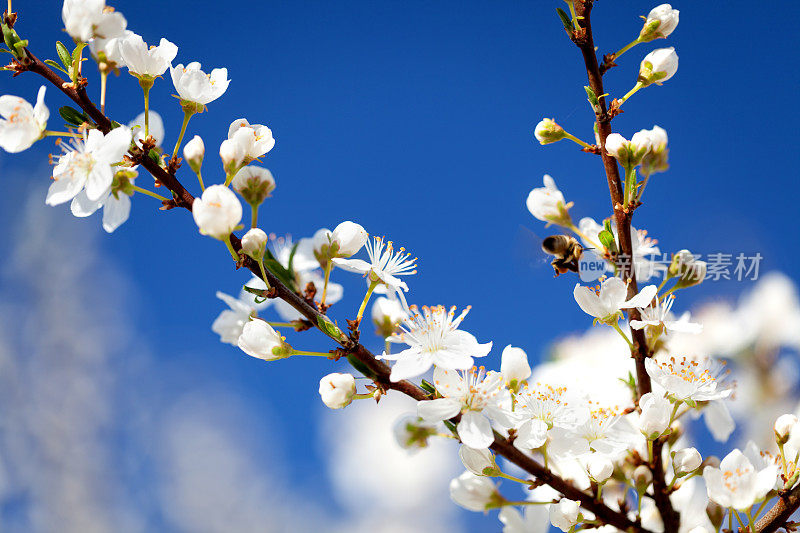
{"x": 358, "y": 266}
{"x": 642, "y": 299}
{"x": 475, "y": 430}
{"x": 116, "y": 211}
{"x": 411, "y": 366}
{"x": 81, "y": 206}
{"x": 438, "y": 409}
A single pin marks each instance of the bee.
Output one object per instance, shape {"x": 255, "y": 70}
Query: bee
{"x": 567, "y": 251}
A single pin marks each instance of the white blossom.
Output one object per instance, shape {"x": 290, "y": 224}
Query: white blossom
{"x": 230, "y": 322}
{"x": 87, "y": 163}
{"x": 217, "y": 212}
{"x": 606, "y": 302}
{"x": 547, "y": 203}
{"x": 691, "y": 379}
{"x": 433, "y": 338}
{"x": 660, "y": 23}
{"x": 533, "y": 519}
{"x": 384, "y": 265}
{"x": 259, "y": 340}
{"x": 145, "y": 61}
{"x": 600, "y": 468}
{"x": 22, "y": 124}
{"x": 471, "y": 395}
{"x": 542, "y": 407}
{"x": 84, "y": 19}
{"x": 737, "y": 483}
{"x": 564, "y": 514}
{"x": 115, "y": 201}
{"x": 195, "y": 86}
{"x": 337, "y": 390}
{"x": 604, "y": 432}
{"x": 472, "y": 492}
{"x": 658, "y": 316}
{"x": 349, "y": 238}
{"x": 255, "y": 184}
{"x": 107, "y": 49}
{"x": 255, "y": 139}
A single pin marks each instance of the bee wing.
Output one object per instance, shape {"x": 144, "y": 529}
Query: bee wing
{"x": 528, "y": 253}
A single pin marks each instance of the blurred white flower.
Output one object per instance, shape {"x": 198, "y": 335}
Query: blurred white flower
{"x": 737, "y": 483}
{"x": 655, "y": 417}
{"x": 84, "y": 19}
{"x": 22, "y": 124}
{"x": 564, "y": 514}
{"x": 156, "y": 128}
{"x": 230, "y": 322}
{"x": 691, "y": 379}
{"x": 473, "y": 492}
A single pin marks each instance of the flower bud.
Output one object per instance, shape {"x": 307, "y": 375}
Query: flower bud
{"x": 547, "y": 131}
{"x": 658, "y": 66}
{"x": 255, "y": 184}
{"x": 217, "y": 212}
{"x": 474, "y": 493}
{"x": 783, "y": 427}
{"x": 686, "y": 461}
{"x": 548, "y": 205}
{"x": 259, "y": 340}
{"x": 193, "y": 153}
{"x": 254, "y": 243}
{"x": 642, "y": 477}
{"x": 655, "y": 417}
{"x": 514, "y": 366}
{"x": 600, "y": 468}
{"x": 564, "y": 514}
{"x": 628, "y": 153}
{"x": 337, "y": 390}
{"x": 412, "y": 432}
{"x": 478, "y": 461}
{"x": 348, "y": 238}
{"x": 387, "y": 314}
{"x": 693, "y": 276}
{"x": 661, "y": 22}
{"x": 232, "y": 154}
{"x": 656, "y": 160}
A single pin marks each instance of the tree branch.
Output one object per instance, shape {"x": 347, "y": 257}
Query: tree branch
{"x": 640, "y": 351}
{"x": 379, "y": 370}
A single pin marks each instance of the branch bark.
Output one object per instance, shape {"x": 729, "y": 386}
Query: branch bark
{"x": 640, "y": 351}
{"x": 380, "y": 371}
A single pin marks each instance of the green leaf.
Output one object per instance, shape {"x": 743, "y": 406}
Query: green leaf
{"x": 291, "y": 256}
{"x": 590, "y": 94}
{"x": 361, "y": 367}
{"x": 272, "y": 264}
{"x": 153, "y": 154}
{"x": 73, "y": 116}
{"x": 328, "y": 327}
{"x": 54, "y": 65}
{"x": 77, "y": 57}
{"x": 565, "y": 20}
{"x": 607, "y": 238}
{"x": 63, "y": 55}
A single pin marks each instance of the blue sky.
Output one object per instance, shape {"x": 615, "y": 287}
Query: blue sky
{"x": 416, "y": 120}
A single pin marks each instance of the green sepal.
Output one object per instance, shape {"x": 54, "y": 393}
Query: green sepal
{"x": 329, "y": 328}
{"x": 450, "y": 426}
{"x": 154, "y": 155}
{"x": 428, "y": 387}
{"x": 63, "y": 55}
{"x": 565, "y": 20}
{"x": 592, "y": 97}
{"x": 607, "y": 239}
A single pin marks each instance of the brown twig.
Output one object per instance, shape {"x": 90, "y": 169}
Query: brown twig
{"x": 380, "y": 372}
{"x": 640, "y": 350}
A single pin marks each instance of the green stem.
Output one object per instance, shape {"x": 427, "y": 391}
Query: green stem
{"x": 783, "y": 459}
{"x": 387, "y": 346}
{"x": 626, "y": 193}
{"x": 626, "y": 47}
{"x": 328, "y": 268}
{"x": 512, "y": 478}
{"x": 661, "y": 286}
{"x": 227, "y": 242}
{"x": 149, "y": 193}
{"x": 615, "y": 325}
{"x": 572, "y": 12}
{"x": 254, "y": 223}
{"x": 363, "y": 395}
{"x": 103, "y": 80}
{"x": 281, "y": 324}
{"x": 371, "y": 288}
{"x": 572, "y": 138}
{"x": 315, "y": 354}
{"x": 200, "y": 180}
{"x": 146, "y": 111}
{"x": 187, "y": 114}
{"x": 630, "y": 93}
{"x": 263, "y": 273}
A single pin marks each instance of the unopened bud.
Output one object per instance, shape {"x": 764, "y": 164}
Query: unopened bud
{"x": 232, "y": 155}
{"x": 658, "y": 66}
{"x": 193, "y": 153}
{"x": 783, "y": 427}
{"x": 255, "y": 184}
{"x": 514, "y": 366}
{"x": 478, "y": 461}
{"x": 686, "y": 460}
{"x": 547, "y": 131}
{"x": 642, "y": 477}
{"x": 600, "y": 468}
{"x": 661, "y": 22}
{"x": 254, "y": 243}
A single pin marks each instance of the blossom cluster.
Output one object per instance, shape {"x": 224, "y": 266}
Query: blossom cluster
{"x": 606, "y": 414}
